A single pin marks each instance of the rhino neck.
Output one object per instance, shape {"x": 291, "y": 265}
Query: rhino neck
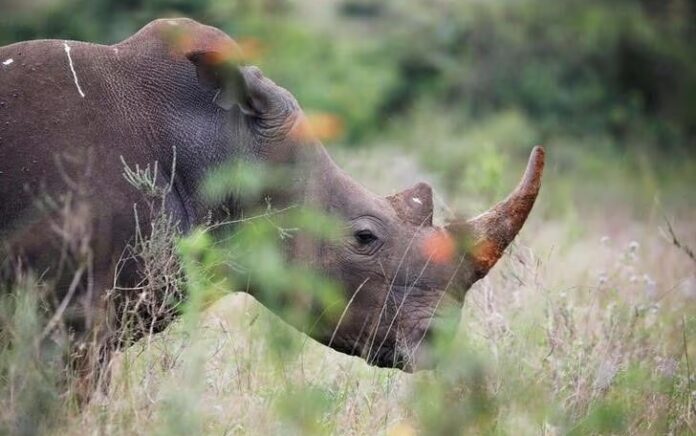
{"x": 194, "y": 147}
{"x": 330, "y": 189}
{"x": 319, "y": 179}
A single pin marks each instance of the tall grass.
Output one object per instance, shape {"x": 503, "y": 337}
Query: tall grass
{"x": 608, "y": 354}
{"x": 589, "y": 334}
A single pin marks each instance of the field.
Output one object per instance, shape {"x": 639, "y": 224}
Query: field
{"x": 586, "y": 326}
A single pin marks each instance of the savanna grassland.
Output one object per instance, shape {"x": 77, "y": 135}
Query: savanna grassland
{"x": 583, "y": 328}
{"x": 586, "y": 326}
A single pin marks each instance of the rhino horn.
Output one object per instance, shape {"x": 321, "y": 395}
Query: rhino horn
{"x": 414, "y": 205}
{"x": 488, "y": 234}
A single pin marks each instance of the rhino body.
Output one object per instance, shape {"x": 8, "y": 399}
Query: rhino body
{"x": 70, "y": 110}
{"x": 71, "y": 113}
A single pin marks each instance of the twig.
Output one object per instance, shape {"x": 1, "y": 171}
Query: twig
{"x": 688, "y": 365}
{"x": 266, "y": 215}
{"x": 63, "y": 305}
{"x": 677, "y": 243}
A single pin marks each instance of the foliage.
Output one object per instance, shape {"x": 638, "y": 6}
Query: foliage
{"x": 622, "y": 69}
{"x": 585, "y": 327}
{"x": 603, "y": 346}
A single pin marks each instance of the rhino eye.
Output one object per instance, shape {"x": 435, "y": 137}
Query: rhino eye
{"x": 365, "y": 237}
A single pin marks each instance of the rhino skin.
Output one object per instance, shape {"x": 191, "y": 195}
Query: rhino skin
{"x": 70, "y": 111}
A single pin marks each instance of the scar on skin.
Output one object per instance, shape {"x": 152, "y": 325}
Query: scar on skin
{"x": 72, "y": 68}
{"x": 417, "y": 200}
{"x": 8, "y": 62}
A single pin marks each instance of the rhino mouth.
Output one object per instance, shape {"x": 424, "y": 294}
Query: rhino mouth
{"x": 391, "y": 358}
{"x": 401, "y": 327}
{"x": 395, "y": 334}
{"x": 375, "y": 350}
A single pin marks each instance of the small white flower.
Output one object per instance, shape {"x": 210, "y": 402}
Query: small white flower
{"x": 604, "y": 240}
{"x": 633, "y": 246}
{"x": 650, "y": 286}
{"x": 603, "y": 278}
{"x": 605, "y": 374}
{"x": 688, "y": 287}
{"x": 667, "y": 367}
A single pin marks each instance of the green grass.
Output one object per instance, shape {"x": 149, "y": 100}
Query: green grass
{"x": 591, "y": 338}
{"x": 583, "y": 328}
{"x": 587, "y": 326}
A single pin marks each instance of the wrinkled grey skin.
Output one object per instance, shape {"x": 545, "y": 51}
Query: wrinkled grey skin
{"x": 67, "y": 116}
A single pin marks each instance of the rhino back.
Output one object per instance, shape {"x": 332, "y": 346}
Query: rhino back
{"x": 70, "y": 111}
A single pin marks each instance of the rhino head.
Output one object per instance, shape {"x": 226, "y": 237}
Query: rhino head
{"x": 401, "y": 275}
{"x": 406, "y": 278}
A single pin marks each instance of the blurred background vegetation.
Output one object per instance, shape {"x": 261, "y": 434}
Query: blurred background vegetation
{"x": 618, "y": 74}
{"x": 589, "y": 332}
{"x": 608, "y": 85}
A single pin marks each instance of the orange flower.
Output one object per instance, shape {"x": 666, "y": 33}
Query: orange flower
{"x": 402, "y": 429}
{"x": 219, "y": 50}
{"x": 439, "y": 247}
{"x": 226, "y": 51}
{"x": 252, "y": 48}
{"x": 180, "y": 42}
{"x": 322, "y": 126}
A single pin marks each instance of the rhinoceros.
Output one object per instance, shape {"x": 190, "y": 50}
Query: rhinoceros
{"x": 72, "y": 112}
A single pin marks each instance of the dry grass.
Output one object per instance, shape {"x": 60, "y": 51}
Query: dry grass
{"x": 583, "y": 328}
{"x": 560, "y": 338}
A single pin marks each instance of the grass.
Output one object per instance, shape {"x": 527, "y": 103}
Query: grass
{"x": 586, "y": 327}
{"x": 606, "y": 354}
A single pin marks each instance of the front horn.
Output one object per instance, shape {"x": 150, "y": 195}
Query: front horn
{"x": 492, "y": 231}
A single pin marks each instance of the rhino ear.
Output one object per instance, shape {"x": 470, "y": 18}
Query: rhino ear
{"x": 414, "y": 205}
{"x": 216, "y": 70}
{"x": 245, "y": 86}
